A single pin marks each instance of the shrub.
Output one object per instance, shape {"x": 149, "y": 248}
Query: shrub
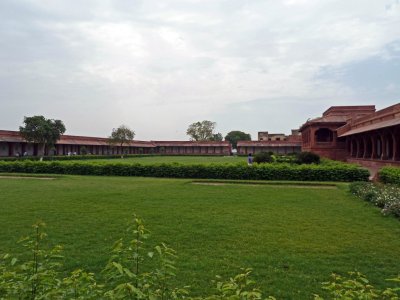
{"x": 285, "y": 158}
{"x": 307, "y": 158}
{"x": 390, "y": 175}
{"x": 357, "y": 286}
{"x": 263, "y": 157}
{"x": 346, "y": 173}
{"x": 386, "y": 197}
{"x": 83, "y": 150}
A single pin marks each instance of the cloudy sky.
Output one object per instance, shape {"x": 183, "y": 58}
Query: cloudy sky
{"x": 157, "y": 66}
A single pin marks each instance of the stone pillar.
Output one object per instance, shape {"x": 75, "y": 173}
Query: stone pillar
{"x": 10, "y": 149}
{"x": 312, "y": 137}
{"x": 358, "y": 144}
{"x": 383, "y": 146}
{"x": 351, "y": 147}
{"x": 364, "y": 141}
{"x": 334, "y": 138}
{"x": 396, "y": 144}
{"x": 373, "y": 152}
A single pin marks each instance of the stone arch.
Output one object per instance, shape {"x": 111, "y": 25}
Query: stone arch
{"x": 396, "y": 142}
{"x": 388, "y": 142}
{"x": 360, "y": 147}
{"x": 324, "y": 135}
{"x": 348, "y": 145}
{"x": 378, "y": 146}
{"x": 367, "y": 147}
{"x": 353, "y": 147}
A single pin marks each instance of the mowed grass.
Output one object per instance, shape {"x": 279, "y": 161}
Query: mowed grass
{"x": 148, "y": 160}
{"x": 293, "y": 237}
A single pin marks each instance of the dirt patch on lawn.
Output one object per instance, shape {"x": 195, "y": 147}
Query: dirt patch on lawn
{"x": 297, "y": 186}
{"x": 27, "y": 177}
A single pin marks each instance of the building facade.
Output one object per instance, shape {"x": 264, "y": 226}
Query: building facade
{"x": 276, "y": 143}
{"x": 319, "y": 135}
{"x": 348, "y": 133}
{"x": 277, "y": 147}
{"x": 373, "y": 140}
{"x": 12, "y": 144}
{"x": 358, "y": 134}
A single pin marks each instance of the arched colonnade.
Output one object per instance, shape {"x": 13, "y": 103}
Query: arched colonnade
{"x": 382, "y": 144}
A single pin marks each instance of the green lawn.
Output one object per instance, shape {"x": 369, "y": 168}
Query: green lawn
{"x": 148, "y": 160}
{"x": 293, "y": 237}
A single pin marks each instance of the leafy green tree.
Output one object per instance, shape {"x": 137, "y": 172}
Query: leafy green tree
{"x": 202, "y": 131}
{"x": 120, "y": 136}
{"x": 263, "y": 157}
{"x": 45, "y": 132}
{"x": 83, "y": 150}
{"x": 234, "y": 136}
{"x": 217, "y": 137}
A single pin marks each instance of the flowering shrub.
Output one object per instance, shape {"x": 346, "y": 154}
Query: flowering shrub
{"x": 386, "y": 197}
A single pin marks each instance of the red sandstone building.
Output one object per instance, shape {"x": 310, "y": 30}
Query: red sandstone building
{"x": 355, "y": 134}
{"x": 12, "y": 144}
{"x": 349, "y": 133}
{"x": 278, "y": 143}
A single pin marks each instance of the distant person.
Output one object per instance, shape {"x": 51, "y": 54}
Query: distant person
{"x": 25, "y": 153}
{"x": 249, "y": 159}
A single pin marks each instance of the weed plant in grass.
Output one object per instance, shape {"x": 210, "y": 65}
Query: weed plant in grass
{"x": 292, "y": 238}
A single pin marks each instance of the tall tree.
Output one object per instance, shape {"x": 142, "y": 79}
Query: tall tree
{"x": 120, "y": 136}
{"x": 234, "y": 136}
{"x": 217, "y": 137}
{"x": 201, "y": 131}
{"x": 44, "y": 132}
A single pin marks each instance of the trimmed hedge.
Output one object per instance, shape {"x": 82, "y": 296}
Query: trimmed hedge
{"x": 389, "y": 175}
{"x": 345, "y": 173}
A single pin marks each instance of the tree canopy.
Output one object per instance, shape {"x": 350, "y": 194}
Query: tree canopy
{"x": 234, "y": 136}
{"x": 38, "y": 129}
{"x": 217, "y": 137}
{"x": 121, "y": 135}
{"x": 203, "y": 131}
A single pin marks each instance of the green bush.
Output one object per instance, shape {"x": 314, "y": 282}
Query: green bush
{"x": 307, "y": 158}
{"x": 290, "y": 159}
{"x": 390, "y": 175}
{"x": 83, "y": 150}
{"x": 345, "y": 173}
{"x": 357, "y": 286}
{"x": 263, "y": 157}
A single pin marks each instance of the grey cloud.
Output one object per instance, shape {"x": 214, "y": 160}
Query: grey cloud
{"x": 96, "y": 64}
